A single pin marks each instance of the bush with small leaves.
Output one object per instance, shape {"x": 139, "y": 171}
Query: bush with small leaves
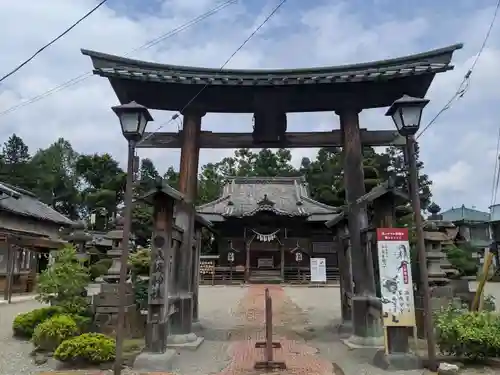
{"x": 24, "y": 324}
{"x": 89, "y": 348}
{"x": 49, "y": 334}
{"x": 470, "y": 335}
{"x": 83, "y": 322}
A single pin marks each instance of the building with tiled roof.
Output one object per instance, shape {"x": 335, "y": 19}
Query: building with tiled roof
{"x": 24, "y": 216}
{"x": 265, "y": 221}
{"x": 474, "y": 225}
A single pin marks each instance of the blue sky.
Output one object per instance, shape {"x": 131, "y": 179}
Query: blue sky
{"x": 459, "y": 151}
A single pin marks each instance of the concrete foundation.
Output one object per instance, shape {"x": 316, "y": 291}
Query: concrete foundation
{"x": 155, "y": 362}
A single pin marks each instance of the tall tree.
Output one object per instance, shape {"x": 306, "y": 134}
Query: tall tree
{"x": 142, "y": 214}
{"x": 57, "y": 183}
{"x": 103, "y": 186}
{"x": 15, "y": 167}
{"x": 398, "y": 170}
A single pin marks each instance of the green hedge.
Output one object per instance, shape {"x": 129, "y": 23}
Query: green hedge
{"x": 24, "y": 324}
{"x": 52, "y": 332}
{"x": 470, "y": 335}
{"x": 89, "y": 348}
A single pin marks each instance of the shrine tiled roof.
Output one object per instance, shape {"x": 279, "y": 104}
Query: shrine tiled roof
{"x": 24, "y": 203}
{"x": 435, "y": 61}
{"x": 247, "y": 196}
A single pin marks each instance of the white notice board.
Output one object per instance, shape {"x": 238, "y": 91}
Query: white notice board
{"x": 318, "y": 270}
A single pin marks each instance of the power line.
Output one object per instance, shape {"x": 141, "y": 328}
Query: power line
{"x": 147, "y": 45}
{"x": 465, "y": 84}
{"x": 176, "y": 115}
{"x": 53, "y": 41}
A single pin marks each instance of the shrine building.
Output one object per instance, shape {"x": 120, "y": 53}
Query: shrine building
{"x": 265, "y": 222}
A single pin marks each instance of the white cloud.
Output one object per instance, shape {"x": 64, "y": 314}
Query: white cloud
{"x": 458, "y": 150}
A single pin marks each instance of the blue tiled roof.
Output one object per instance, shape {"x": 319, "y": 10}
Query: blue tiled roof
{"x": 465, "y": 214}
{"x": 24, "y": 203}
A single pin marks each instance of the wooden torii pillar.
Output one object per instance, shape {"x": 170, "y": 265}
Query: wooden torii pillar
{"x": 364, "y": 294}
{"x": 185, "y": 219}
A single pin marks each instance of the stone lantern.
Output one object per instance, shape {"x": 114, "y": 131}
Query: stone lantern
{"x": 116, "y": 237}
{"x": 79, "y": 237}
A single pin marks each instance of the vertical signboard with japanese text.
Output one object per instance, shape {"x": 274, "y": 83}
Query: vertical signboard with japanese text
{"x": 396, "y": 282}
{"x": 318, "y": 270}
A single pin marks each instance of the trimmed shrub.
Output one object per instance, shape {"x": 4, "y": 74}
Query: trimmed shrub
{"x": 24, "y": 324}
{"x": 89, "y": 348}
{"x": 470, "y": 335}
{"x": 97, "y": 270}
{"x": 82, "y": 322}
{"x": 49, "y": 334}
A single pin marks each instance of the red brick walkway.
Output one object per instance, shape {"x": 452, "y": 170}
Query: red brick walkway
{"x": 298, "y": 357}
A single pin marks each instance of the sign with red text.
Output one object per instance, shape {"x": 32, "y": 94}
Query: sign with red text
{"x": 396, "y": 283}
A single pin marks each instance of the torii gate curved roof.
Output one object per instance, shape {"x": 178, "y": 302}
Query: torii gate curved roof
{"x": 366, "y": 85}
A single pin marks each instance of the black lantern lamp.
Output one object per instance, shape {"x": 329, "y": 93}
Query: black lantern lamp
{"x": 406, "y": 112}
{"x": 133, "y": 120}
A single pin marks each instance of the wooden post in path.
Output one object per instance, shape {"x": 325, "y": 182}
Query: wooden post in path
{"x": 269, "y": 363}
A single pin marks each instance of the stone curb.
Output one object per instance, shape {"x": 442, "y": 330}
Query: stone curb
{"x": 18, "y": 300}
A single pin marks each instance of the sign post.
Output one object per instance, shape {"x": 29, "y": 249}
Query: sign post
{"x": 230, "y": 258}
{"x": 396, "y": 286}
{"x": 298, "y": 259}
{"x": 318, "y": 270}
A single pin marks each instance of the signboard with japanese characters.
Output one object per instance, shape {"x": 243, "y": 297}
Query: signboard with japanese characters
{"x": 298, "y": 257}
{"x": 396, "y": 283}
{"x": 318, "y": 270}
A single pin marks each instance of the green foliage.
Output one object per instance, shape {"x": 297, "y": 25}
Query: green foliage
{"x": 489, "y": 303}
{"x": 471, "y": 335}
{"x": 90, "y": 348}
{"x": 141, "y": 294}
{"x": 64, "y": 282}
{"x": 139, "y": 262}
{"x": 50, "y": 333}
{"x": 99, "y": 268}
{"x": 24, "y": 324}
{"x": 462, "y": 260}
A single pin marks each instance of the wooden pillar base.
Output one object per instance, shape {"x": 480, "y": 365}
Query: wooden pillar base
{"x": 181, "y": 322}
{"x": 396, "y": 361}
{"x": 196, "y": 317}
{"x": 366, "y": 327}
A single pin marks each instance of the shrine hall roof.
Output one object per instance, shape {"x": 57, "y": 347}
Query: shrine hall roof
{"x": 285, "y": 196}
{"x": 169, "y": 87}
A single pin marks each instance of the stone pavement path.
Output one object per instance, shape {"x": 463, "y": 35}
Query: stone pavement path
{"x": 299, "y": 357}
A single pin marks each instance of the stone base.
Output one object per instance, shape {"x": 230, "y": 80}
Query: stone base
{"x": 357, "y": 342}
{"x": 344, "y": 329}
{"x": 189, "y": 341}
{"x": 158, "y": 362}
{"x": 396, "y": 361}
{"x": 197, "y": 326}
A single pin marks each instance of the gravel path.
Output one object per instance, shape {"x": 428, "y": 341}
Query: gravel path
{"x": 217, "y": 321}
{"x": 15, "y": 354}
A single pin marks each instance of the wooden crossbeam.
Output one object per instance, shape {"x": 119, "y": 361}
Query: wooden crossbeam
{"x": 293, "y": 140}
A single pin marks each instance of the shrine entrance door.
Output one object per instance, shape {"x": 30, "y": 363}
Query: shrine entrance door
{"x": 265, "y": 262}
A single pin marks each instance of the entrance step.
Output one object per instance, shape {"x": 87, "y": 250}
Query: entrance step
{"x": 265, "y": 277}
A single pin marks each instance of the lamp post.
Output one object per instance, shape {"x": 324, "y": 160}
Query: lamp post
{"x": 406, "y": 113}
{"x": 133, "y": 120}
